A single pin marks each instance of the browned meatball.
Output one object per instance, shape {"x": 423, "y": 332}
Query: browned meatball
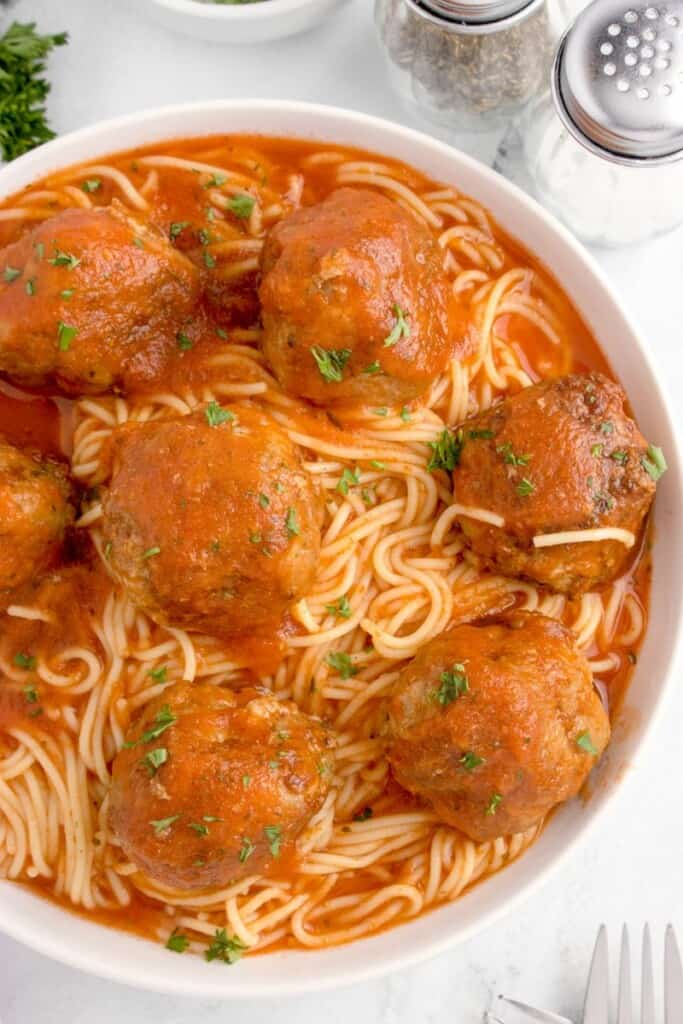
{"x": 91, "y": 301}
{"x": 560, "y": 455}
{"x": 35, "y": 510}
{"x": 211, "y": 521}
{"x": 212, "y": 785}
{"x": 355, "y": 302}
{"x": 495, "y": 724}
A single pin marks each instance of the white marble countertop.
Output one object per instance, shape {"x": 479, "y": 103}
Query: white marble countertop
{"x": 632, "y": 869}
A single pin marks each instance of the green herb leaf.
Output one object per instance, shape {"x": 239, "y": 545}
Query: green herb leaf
{"x": 263, "y": 500}
{"x": 480, "y": 435}
{"x": 349, "y": 478}
{"x": 654, "y": 462}
{"x": 199, "y": 827}
{"x": 405, "y": 414}
{"x": 493, "y": 804}
{"x": 607, "y": 427}
{"x": 446, "y": 451}
{"x": 158, "y": 674}
{"x": 151, "y": 552}
{"x": 23, "y": 119}
{"x": 215, "y": 181}
{"x": 228, "y": 950}
{"x": 363, "y": 815}
{"x": 92, "y": 184}
{"x": 341, "y": 608}
{"x": 163, "y": 720}
{"x": 162, "y": 824}
{"x": 273, "y": 834}
{"x": 11, "y": 274}
{"x": 64, "y": 259}
{"x": 525, "y": 487}
{"x": 596, "y": 450}
{"x": 66, "y": 293}
{"x": 376, "y": 464}
{"x": 154, "y": 760}
{"x": 401, "y": 328}
{"x": 470, "y": 761}
{"x": 246, "y": 781}
{"x": 176, "y": 228}
{"x": 177, "y": 942}
{"x": 31, "y": 694}
{"x": 453, "y": 684}
{"x": 216, "y": 414}
{"x": 209, "y": 260}
{"x": 25, "y": 661}
{"x": 509, "y": 456}
{"x": 382, "y": 411}
{"x": 372, "y": 369}
{"x": 246, "y": 850}
{"x": 184, "y": 343}
{"x": 242, "y": 205}
{"x": 30, "y": 286}
{"x": 331, "y": 362}
{"x": 620, "y": 456}
{"x": 65, "y": 335}
{"x": 584, "y": 741}
{"x": 292, "y": 523}
{"x": 341, "y": 662}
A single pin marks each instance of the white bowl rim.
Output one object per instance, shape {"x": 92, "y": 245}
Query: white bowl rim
{"x": 169, "y": 982}
{"x": 252, "y": 12}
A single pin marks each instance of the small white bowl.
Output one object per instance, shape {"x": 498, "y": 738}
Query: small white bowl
{"x": 77, "y": 941}
{"x": 240, "y": 23}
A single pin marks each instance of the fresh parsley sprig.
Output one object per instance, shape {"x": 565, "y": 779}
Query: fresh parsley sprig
{"x": 23, "y": 90}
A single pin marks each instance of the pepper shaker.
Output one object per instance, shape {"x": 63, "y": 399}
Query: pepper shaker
{"x": 603, "y": 148}
{"x": 468, "y": 65}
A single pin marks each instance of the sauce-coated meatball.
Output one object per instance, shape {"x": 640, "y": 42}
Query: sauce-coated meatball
{"x": 560, "y": 455}
{"x": 356, "y": 305}
{"x": 35, "y": 510}
{"x": 495, "y": 724}
{"x": 211, "y": 521}
{"x": 91, "y": 301}
{"x": 214, "y": 785}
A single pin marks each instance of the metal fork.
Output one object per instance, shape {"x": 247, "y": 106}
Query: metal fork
{"x": 596, "y": 1004}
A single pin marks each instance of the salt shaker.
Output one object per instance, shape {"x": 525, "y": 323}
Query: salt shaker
{"x": 603, "y": 148}
{"x": 468, "y": 65}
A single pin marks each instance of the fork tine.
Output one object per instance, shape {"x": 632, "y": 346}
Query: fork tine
{"x": 625, "y": 1001}
{"x": 673, "y": 979}
{"x": 596, "y": 1004}
{"x": 648, "y": 983}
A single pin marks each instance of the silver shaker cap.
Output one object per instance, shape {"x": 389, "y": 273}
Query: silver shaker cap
{"x": 618, "y": 80}
{"x": 473, "y": 12}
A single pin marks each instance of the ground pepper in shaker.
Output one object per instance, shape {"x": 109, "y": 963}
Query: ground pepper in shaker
{"x": 603, "y": 149}
{"x": 467, "y": 64}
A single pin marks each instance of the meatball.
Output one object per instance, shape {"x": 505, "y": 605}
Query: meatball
{"x": 495, "y": 724}
{"x": 35, "y": 510}
{"x": 211, "y": 521}
{"x": 213, "y": 785}
{"x": 560, "y": 455}
{"x": 91, "y": 301}
{"x": 356, "y": 306}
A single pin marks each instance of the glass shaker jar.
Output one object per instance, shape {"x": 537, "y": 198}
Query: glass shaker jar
{"x": 467, "y": 64}
{"x": 603, "y": 149}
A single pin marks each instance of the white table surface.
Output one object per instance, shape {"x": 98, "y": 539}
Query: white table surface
{"x": 633, "y": 868}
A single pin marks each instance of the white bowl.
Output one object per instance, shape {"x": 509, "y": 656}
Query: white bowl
{"x": 243, "y": 23}
{"x": 122, "y": 957}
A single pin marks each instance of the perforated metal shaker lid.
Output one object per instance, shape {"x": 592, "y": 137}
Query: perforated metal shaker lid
{"x": 480, "y": 13}
{"x": 618, "y": 80}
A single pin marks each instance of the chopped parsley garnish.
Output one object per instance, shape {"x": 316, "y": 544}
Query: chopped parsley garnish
{"x": 654, "y": 462}
{"x": 470, "y": 761}
{"x": 23, "y": 118}
{"x": 493, "y": 804}
{"x": 11, "y": 274}
{"x": 154, "y": 760}
{"x": 30, "y": 286}
{"x": 66, "y": 294}
{"x": 340, "y": 608}
{"x": 255, "y": 537}
{"x": 607, "y": 427}
{"x": 596, "y": 451}
{"x": 405, "y": 414}
{"x": 210, "y": 818}
{"x": 216, "y": 414}
{"x": 376, "y": 464}
{"x": 138, "y": 243}
{"x": 509, "y": 456}
{"x": 199, "y": 827}
{"x": 177, "y": 942}
{"x": 209, "y": 260}
{"x": 584, "y": 741}
{"x": 151, "y": 552}
{"x": 246, "y": 781}
{"x": 162, "y": 721}
{"x": 372, "y": 368}
{"x": 453, "y": 683}
{"x": 107, "y": 550}
{"x": 263, "y": 500}
{"x": 162, "y": 824}
{"x": 204, "y": 236}
{"x": 331, "y": 362}
{"x": 184, "y": 343}
{"x": 480, "y": 435}
{"x": 620, "y": 456}
{"x": 228, "y": 950}
{"x": 39, "y": 249}
{"x": 25, "y": 661}
{"x": 446, "y": 451}
{"x": 273, "y": 834}
{"x": 158, "y": 674}
{"x": 177, "y": 227}
{"x": 368, "y": 496}
{"x": 349, "y": 478}
{"x": 525, "y": 487}
{"x": 292, "y": 523}
{"x": 401, "y": 328}
{"x": 223, "y": 334}
{"x": 215, "y": 181}
{"x": 341, "y": 662}
{"x": 64, "y": 259}
{"x": 31, "y": 694}
{"x": 246, "y": 850}
{"x": 91, "y": 184}
{"x": 363, "y": 815}
{"x": 65, "y": 335}
{"x": 382, "y": 411}
{"x": 242, "y": 205}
